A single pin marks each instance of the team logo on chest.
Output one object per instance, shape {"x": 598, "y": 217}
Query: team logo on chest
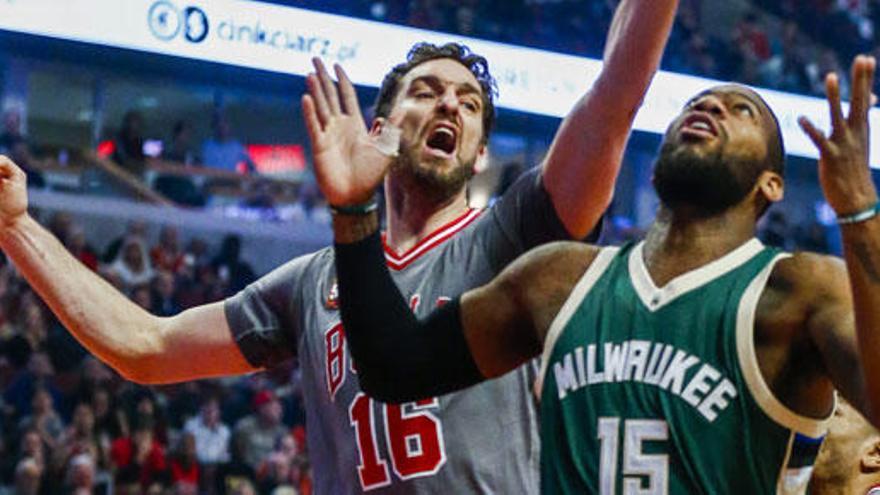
{"x": 332, "y": 299}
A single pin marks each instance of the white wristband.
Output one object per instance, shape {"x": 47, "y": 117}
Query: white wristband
{"x": 859, "y": 216}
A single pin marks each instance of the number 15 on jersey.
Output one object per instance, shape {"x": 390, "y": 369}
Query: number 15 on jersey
{"x": 642, "y": 474}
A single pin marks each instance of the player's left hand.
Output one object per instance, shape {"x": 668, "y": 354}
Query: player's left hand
{"x": 843, "y": 164}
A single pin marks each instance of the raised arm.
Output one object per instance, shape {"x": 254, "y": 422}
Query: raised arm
{"x": 583, "y": 162}
{"x": 483, "y": 334}
{"x": 141, "y": 347}
{"x": 846, "y": 325}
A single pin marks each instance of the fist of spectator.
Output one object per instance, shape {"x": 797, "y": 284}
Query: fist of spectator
{"x": 13, "y": 191}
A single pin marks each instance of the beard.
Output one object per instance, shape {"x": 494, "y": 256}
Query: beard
{"x": 433, "y": 180}
{"x": 710, "y": 183}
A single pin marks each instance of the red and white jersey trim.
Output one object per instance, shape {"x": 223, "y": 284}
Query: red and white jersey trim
{"x": 400, "y": 261}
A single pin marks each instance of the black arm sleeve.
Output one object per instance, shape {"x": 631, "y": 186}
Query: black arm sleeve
{"x": 398, "y": 357}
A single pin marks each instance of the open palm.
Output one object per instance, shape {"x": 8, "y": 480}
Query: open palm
{"x": 843, "y": 164}
{"x": 349, "y": 163}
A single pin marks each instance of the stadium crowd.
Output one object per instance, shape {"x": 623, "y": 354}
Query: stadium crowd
{"x": 69, "y": 424}
{"x": 775, "y": 44}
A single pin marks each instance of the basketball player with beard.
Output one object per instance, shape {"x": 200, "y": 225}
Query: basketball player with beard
{"x": 849, "y": 460}
{"x": 434, "y": 114}
{"x": 695, "y": 361}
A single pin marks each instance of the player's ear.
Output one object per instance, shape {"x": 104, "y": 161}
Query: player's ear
{"x": 482, "y": 160}
{"x": 771, "y": 186}
{"x": 870, "y": 462}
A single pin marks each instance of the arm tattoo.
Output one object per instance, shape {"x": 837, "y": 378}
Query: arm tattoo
{"x": 865, "y": 255}
{"x": 353, "y": 228}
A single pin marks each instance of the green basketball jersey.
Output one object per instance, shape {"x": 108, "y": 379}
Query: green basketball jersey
{"x": 648, "y": 390}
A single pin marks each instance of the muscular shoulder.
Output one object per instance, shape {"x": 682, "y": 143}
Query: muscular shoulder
{"x": 562, "y": 260}
{"x": 801, "y": 287}
{"x": 545, "y": 276}
{"x": 809, "y": 277}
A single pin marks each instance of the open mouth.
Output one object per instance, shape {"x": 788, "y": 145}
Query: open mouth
{"x": 442, "y": 139}
{"x": 699, "y": 125}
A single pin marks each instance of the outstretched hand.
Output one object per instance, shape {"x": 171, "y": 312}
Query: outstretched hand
{"x": 843, "y": 164}
{"x": 349, "y": 162}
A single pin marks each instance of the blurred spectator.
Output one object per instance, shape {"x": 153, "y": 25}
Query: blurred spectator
{"x": 132, "y": 265}
{"x": 109, "y": 420}
{"x": 232, "y": 270}
{"x": 167, "y": 254}
{"x": 12, "y": 138}
{"x": 820, "y": 67}
{"x": 80, "y": 249}
{"x": 750, "y": 36}
{"x": 29, "y": 330}
{"x": 196, "y": 255}
{"x": 142, "y": 295}
{"x": 37, "y": 374}
{"x": 43, "y": 418}
{"x": 129, "y": 144}
{"x": 257, "y": 434}
{"x": 180, "y": 149}
{"x": 80, "y": 478}
{"x": 7, "y": 294}
{"x": 210, "y": 433}
{"x": 164, "y": 302}
{"x": 134, "y": 228}
{"x": 185, "y": 471}
{"x": 275, "y": 474}
{"x": 95, "y": 377}
{"x": 277, "y": 470}
{"x": 139, "y": 460}
{"x": 14, "y": 144}
{"x": 147, "y": 410}
{"x": 31, "y": 446}
{"x": 241, "y": 486}
{"x": 28, "y": 477}
{"x": 223, "y": 151}
{"x": 81, "y": 438}
{"x": 301, "y": 475}
{"x": 179, "y": 188}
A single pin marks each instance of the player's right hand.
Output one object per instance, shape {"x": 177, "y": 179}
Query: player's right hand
{"x": 349, "y": 162}
{"x": 13, "y": 192}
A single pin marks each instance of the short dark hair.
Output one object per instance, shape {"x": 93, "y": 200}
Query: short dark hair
{"x": 776, "y": 153}
{"x": 425, "y": 52}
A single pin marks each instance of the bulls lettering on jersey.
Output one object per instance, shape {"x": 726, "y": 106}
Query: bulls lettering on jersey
{"x": 444, "y": 445}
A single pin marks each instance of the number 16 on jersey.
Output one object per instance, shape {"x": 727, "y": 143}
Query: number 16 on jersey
{"x": 413, "y": 436}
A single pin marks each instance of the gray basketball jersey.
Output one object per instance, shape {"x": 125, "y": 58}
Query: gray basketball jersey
{"x": 480, "y": 440}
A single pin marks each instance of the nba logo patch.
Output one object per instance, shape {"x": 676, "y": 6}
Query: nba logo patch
{"x": 332, "y": 301}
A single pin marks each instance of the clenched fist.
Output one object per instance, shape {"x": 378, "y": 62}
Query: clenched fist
{"x": 13, "y": 191}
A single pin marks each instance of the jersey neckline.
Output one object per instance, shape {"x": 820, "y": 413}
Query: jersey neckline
{"x": 400, "y": 261}
{"x": 654, "y": 297}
